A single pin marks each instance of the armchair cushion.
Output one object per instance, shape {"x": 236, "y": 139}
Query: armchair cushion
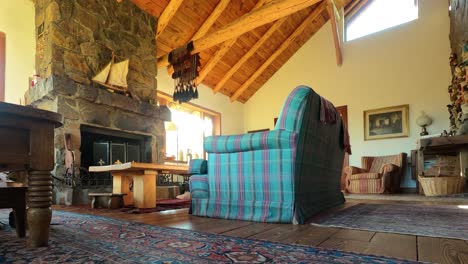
{"x": 379, "y": 162}
{"x": 366, "y": 175}
{"x": 276, "y": 139}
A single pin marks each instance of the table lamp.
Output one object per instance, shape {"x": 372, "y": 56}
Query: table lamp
{"x": 423, "y": 120}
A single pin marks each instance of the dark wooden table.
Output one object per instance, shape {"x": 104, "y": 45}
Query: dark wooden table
{"x": 27, "y": 144}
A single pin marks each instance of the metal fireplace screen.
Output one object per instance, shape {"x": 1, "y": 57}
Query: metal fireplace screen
{"x": 110, "y": 147}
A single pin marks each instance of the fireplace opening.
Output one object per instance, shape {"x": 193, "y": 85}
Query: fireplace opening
{"x": 100, "y": 147}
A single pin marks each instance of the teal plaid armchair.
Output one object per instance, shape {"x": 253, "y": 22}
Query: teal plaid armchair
{"x": 285, "y": 175}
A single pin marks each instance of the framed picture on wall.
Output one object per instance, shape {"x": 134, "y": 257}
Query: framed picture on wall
{"x": 389, "y": 122}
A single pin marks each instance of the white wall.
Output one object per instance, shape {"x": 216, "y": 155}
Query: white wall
{"x": 17, "y": 21}
{"x": 232, "y": 114}
{"x": 407, "y": 64}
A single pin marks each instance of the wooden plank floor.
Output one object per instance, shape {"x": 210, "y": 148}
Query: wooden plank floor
{"x": 411, "y": 247}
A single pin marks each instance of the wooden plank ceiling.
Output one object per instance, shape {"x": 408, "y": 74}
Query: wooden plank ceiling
{"x": 238, "y": 67}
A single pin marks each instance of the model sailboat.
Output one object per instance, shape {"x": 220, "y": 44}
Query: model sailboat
{"x": 114, "y": 76}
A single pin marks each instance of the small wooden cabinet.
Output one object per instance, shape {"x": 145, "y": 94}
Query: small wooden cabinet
{"x": 454, "y": 145}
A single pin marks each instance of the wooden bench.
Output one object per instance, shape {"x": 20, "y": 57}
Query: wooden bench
{"x": 107, "y": 200}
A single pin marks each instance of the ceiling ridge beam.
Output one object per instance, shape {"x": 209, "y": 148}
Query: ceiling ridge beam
{"x": 331, "y": 9}
{"x": 208, "y": 23}
{"x": 271, "y": 11}
{"x": 299, "y": 30}
{"x": 223, "y": 49}
{"x": 167, "y": 15}
{"x": 249, "y": 54}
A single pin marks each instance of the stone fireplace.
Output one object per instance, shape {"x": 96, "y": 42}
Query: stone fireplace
{"x": 75, "y": 40}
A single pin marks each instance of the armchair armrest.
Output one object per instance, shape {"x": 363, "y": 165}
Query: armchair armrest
{"x": 350, "y": 170}
{"x": 198, "y": 166}
{"x": 389, "y": 183}
{"x": 275, "y": 139}
{"x": 388, "y": 168}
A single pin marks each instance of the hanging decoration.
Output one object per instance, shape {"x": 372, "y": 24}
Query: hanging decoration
{"x": 458, "y": 90}
{"x": 185, "y": 67}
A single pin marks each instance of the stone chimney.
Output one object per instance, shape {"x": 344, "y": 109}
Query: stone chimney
{"x": 75, "y": 40}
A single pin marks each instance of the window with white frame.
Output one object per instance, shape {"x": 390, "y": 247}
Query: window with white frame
{"x": 189, "y": 126}
{"x": 378, "y": 15}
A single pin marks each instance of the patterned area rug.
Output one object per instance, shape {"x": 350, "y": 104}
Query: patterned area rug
{"x": 79, "y": 238}
{"x": 446, "y": 221}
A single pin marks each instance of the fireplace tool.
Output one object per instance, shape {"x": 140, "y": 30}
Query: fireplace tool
{"x": 69, "y": 161}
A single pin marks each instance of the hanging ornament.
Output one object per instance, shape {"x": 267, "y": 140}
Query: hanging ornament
{"x": 185, "y": 72}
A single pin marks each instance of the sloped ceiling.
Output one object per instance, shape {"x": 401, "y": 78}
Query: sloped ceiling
{"x": 225, "y": 67}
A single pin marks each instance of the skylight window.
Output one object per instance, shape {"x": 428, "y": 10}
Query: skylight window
{"x": 379, "y": 15}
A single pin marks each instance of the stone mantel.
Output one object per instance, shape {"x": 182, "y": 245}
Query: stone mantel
{"x": 91, "y": 105}
{"x": 46, "y": 92}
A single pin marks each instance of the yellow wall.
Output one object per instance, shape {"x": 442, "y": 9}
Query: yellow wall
{"x": 232, "y": 114}
{"x": 407, "y": 64}
{"x": 17, "y": 21}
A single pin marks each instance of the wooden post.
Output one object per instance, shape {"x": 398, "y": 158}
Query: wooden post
{"x": 39, "y": 212}
{"x": 121, "y": 184}
{"x": 144, "y": 189}
{"x": 336, "y": 39}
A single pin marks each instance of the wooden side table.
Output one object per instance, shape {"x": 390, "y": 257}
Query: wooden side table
{"x": 453, "y": 145}
{"x": 27, "y": 143}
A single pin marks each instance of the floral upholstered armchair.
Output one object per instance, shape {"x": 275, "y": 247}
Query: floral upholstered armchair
{"x": 284, "y": 175}
{"x": 379, "y": 174}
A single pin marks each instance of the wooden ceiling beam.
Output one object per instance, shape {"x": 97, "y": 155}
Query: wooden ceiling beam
{"x": 218, "y": 55}
{"x": 208, "y": 23}
{"x": 271, "y": 11}
{"x": 249, "y": 54}
{"x": 355, "y": 7}
{"x": 299, "y": 30}
{"x": 211, "y": 19}
{"x": 166, "y": 16}
{"x": 332, "y": 12}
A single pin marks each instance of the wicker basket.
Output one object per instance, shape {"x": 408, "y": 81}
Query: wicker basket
{"x": 437, "y": 186}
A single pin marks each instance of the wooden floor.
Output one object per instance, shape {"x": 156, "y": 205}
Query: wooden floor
{"x": 383, "y": 244}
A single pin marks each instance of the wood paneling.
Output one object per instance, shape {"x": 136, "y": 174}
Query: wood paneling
{"x": 231, "y": 68}
{"x": 167, "y": 15}
{"x": 298, "y": 31}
